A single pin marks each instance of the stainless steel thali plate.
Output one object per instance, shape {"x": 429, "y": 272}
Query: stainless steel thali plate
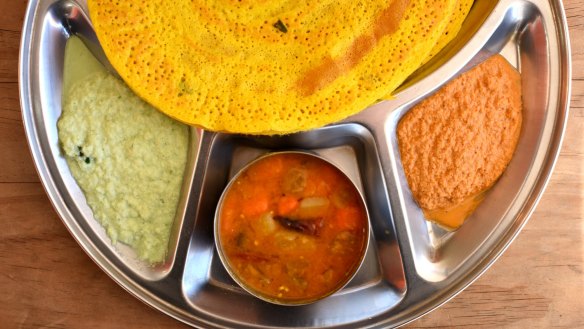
{"x": 411, "y": 267}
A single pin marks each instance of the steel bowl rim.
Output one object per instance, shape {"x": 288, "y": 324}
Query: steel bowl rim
{"x": 223, "y": 258}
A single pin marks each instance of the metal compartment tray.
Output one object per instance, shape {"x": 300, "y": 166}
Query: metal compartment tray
{"x": 412, "y": 266}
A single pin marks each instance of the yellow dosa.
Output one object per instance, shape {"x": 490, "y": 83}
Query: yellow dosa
{"x": 267, "y": 67}
{"x": 454, "y": 25}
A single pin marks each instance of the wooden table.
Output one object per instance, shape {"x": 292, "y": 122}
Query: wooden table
{"x": 47, "y": 281}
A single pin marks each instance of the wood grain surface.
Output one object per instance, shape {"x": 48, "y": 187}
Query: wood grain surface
{"x": 47, "y": 281}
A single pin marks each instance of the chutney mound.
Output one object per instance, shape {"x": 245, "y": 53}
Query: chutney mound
{"x": 455, "y": 144}
{"x": 127, "y": 158}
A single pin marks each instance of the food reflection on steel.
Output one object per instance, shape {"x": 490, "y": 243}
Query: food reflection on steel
{"x": 291, "y": 228}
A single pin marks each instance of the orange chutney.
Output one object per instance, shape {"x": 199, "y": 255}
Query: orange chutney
{"x": 292, "y": 228}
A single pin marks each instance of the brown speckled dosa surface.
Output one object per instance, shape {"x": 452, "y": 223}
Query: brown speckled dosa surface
{"x": 47, "y": 281}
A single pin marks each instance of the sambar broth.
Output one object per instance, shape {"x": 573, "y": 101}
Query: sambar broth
{"x": 292, "y": 228}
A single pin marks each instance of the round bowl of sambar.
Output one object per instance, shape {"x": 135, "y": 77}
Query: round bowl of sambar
{"x": 291, "y": 228}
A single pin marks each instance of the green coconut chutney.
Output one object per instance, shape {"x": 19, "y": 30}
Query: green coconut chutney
{"x": 128, "y": 159}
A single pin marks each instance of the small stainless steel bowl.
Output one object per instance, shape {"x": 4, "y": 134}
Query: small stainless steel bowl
{"x": 268, "y": 298}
